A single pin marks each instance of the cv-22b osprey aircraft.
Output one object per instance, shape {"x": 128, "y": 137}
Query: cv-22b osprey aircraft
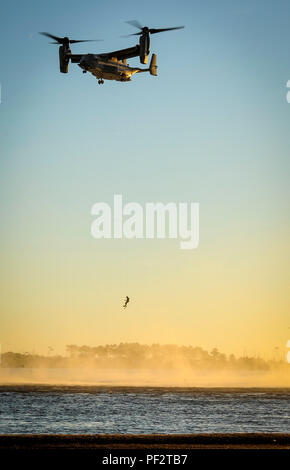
{"x": 111, "y": 65}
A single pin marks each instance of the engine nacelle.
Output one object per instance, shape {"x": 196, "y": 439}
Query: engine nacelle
{"x": 144, "y": 48}
{"x": 64, "y": 59}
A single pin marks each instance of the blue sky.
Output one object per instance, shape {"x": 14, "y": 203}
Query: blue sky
{"x": 213, "y": 127}
{"x": 214, "y": 121}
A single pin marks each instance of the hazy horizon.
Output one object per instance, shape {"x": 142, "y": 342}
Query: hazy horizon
{"x": 133, "y": 364}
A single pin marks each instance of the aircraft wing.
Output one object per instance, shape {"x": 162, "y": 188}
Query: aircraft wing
{"x": 123, "y": 53}
{"x": 120, "y": 55}
{"x": 75, "y": 58}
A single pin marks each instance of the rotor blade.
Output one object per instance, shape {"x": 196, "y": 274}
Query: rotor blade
{"x": 51, "y": 36}
{"x": 134, "y": 34}
{"x": 73, "y": 41}
{"x": 161, "y": 30}
{"x": 135, "y": 23}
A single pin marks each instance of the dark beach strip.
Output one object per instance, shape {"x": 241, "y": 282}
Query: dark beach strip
{"x": 148, "y": 441}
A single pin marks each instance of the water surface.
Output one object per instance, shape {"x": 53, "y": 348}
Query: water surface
{"x": 141, "y": 410}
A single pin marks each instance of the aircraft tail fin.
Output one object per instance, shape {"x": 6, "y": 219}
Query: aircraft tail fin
{"x": 153, "y": 65}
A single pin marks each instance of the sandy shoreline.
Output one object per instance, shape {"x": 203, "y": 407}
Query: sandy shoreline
{"x": 150, "y": 441}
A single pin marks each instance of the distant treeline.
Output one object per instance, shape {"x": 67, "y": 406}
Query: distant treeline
{"x": 135, "y": 355}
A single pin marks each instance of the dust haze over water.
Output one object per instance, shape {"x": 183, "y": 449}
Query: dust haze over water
{"x": 181, "y": 377}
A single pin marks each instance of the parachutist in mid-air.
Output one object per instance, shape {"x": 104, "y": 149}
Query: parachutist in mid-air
{"x": 127, "y": 300}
